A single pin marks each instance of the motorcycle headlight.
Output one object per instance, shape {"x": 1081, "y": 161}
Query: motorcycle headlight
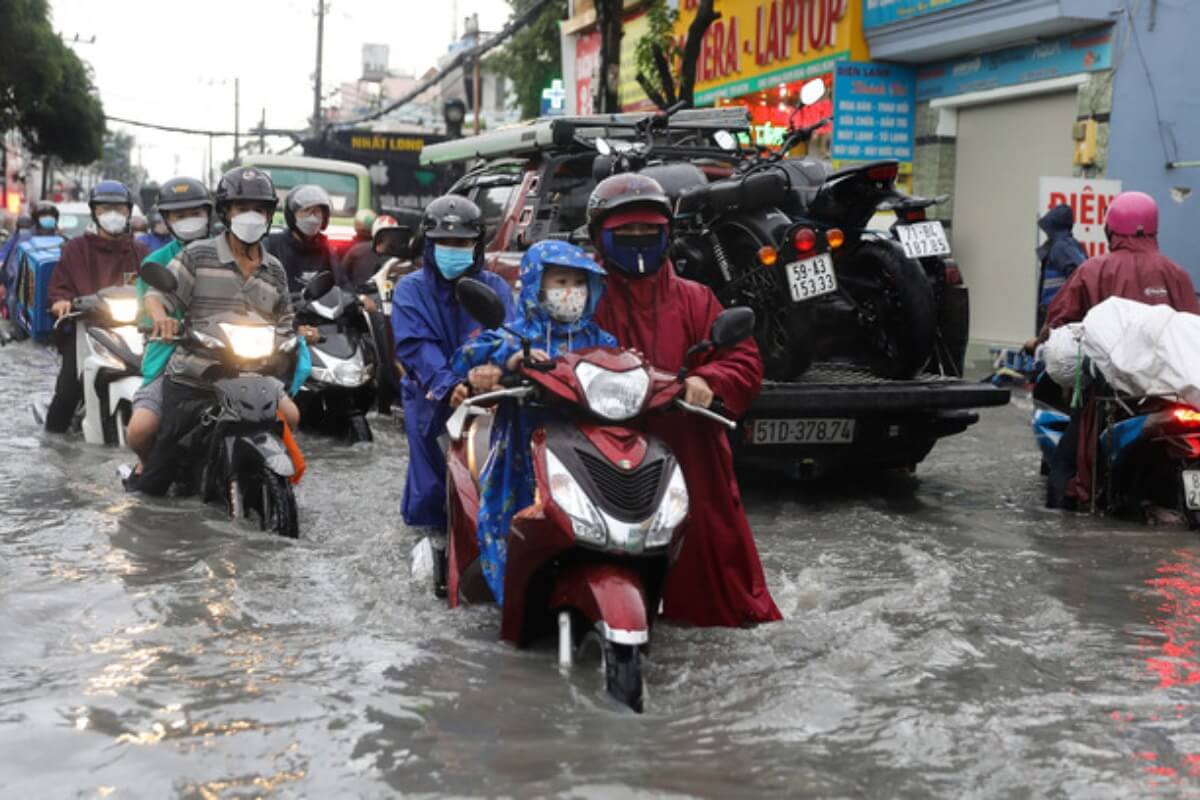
{"x": 574, "y": 502}
{"x": 132, "y": 339}
{"x": 672, "y": 510}
{"x": 613, "y": 395}
{"x": 122, "y": 309}
{"x": 250, "y": 341}
{"x": 344, "y": 373}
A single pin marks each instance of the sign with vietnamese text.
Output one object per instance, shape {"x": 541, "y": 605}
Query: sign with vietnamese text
{"x": 1089, "y": 199}
{"x": 885, "y": 12}
{"x": 392, "y": 159}
{"x": 874, "y": 112}
{"x": 1068, "y": 55}
{"x": 759, "y": 44}
{"x": 587, "y": 65}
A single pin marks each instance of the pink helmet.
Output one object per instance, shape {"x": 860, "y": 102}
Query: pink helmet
{"x": 1132, "y": 214}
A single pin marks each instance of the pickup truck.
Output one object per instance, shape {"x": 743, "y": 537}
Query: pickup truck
{"x": 532, "y": 182}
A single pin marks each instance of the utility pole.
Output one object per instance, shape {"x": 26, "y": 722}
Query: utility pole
{"x": 316, "y": 118}
{"x": 237, "y": 98}
{"x": 262, "y": 138}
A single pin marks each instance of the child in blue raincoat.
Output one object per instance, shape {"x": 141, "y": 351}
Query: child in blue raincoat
{"x": 560, "y": 289}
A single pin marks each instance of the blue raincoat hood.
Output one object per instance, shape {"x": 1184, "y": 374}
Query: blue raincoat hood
{"x": 533, "y": 267}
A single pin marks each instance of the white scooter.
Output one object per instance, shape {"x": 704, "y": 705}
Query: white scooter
{"x": 108, "y": 352}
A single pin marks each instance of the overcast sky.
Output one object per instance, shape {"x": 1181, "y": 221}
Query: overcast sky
{"x": 174, "y": 62}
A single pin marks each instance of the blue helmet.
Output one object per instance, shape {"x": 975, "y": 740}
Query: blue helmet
{"x": 109, "y": 191}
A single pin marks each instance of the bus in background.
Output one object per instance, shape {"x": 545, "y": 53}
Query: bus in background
{"x": 348, "y": 184}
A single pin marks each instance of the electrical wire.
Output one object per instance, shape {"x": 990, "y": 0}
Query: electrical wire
{"x": 249, "y": 132}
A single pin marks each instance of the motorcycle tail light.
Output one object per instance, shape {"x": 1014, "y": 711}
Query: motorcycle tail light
{"x": 768, "y": 256}
{"x": 805, "y": 240}
{"x": 835, "y": 237}
{"x": 1187, "y": 416}
{"x": 883, "y": 172}
{"x": 953, "y": 274}
{"x": 913, "y": 215}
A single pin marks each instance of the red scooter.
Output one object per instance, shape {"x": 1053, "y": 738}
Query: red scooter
{"x": 589, "y": 556}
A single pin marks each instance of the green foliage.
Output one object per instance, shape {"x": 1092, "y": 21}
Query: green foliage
{"x": 532, "y": 58}
{"x": 46, "y": 92}
{"x": 662, "y": 25}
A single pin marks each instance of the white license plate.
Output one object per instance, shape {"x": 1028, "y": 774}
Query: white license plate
{"x": 811, "y": 277}
{"x": 924, "y": 239}
{"x": 1191, "y": 489}
{"x": 802, "y": 431}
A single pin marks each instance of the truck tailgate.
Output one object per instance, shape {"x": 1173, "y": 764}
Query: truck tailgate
{"x": 827, "y": 389}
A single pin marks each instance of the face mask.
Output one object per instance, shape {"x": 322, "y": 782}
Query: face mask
{"x": 636, "y": 256}
{"x": 190, "y": 229}
{"x": 309, "y": 226}
{"x": 249, "y": 227}
{"x": 453, "y": 261}
{"x": 47, "y": 222}
{"x": 565, "y": 303}
{"x": 112, "y": 222}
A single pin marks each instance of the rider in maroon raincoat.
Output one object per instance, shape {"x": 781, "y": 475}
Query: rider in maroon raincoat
{"x": 718, "y": 579}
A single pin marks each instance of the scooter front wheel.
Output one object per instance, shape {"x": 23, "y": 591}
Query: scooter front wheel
{"x": 621, "y": 665}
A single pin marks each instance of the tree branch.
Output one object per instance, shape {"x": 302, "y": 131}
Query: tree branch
{"x": 705, "y": 16}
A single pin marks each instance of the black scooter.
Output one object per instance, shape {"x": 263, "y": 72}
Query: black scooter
{"x": 236, "y": 456}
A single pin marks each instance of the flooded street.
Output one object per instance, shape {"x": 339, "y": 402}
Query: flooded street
{"x": 944, "y": 637}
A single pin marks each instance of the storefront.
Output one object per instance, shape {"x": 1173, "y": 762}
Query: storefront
{"x": 992, "y": 121}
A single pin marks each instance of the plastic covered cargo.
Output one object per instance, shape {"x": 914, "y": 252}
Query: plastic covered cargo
{"x": 36, "y": 260}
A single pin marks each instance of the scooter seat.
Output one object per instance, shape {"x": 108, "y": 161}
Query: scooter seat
{"x": 479, "y": 441}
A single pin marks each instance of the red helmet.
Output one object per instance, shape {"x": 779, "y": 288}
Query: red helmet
{"x": 1132, "y": 214}
{"x": 625, "y": 191}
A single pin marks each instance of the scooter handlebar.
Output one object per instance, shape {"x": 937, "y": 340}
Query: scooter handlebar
{"x": 707, "y": 413}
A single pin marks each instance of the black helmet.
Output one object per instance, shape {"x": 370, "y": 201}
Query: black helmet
{"x": 303, "y": 196}
{"x": 246, "y": 184}
{"x": 452, "y": 217}
{"x": 108, "y": 191}
{"x": 178, "y": 194}
{"x": 625, "y": 191}
{"x": 44, "y": 207}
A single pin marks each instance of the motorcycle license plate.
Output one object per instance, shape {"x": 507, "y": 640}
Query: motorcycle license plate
{"x": 923, "y": 239}
{"x": 812, "y": 277}
{"x": 802, "y": 431}
{"x": 1191, "y": 489}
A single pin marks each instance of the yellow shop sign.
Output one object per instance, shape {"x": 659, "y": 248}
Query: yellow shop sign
{"x": 757, "y": 44}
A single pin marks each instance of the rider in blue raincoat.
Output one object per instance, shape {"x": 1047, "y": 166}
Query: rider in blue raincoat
{"x": 429, "y": 325}
{"x": 560, "y": 289}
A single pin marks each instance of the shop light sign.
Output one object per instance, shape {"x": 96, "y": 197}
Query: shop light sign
{"x": 766, "y": 34}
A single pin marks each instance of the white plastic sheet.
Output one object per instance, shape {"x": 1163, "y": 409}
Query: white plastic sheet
{"x": 1061, "y": 354}
{"x": 1145, "y": 350}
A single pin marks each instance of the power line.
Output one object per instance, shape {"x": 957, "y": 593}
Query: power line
{"x": 464, "y": 56}
{"x": 292, "y": 134}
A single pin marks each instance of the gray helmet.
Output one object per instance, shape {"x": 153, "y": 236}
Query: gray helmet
{"x": 303, "y": 196}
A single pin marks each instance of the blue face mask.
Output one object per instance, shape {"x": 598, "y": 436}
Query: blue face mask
{"x": 636, "y": 256}
{"x": 47, "y": 222}
{"x": 452, "y": 262}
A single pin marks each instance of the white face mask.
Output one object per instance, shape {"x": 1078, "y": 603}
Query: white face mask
{"x": 112, "y": 222}
{"x": 565, "y": 303}
{"x": 249, "y": 227}
{"x": 190, "y": 229}
{"x": 309, "y": 225}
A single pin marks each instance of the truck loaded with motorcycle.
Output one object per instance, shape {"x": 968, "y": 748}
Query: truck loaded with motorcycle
{"x": 862, "y": 331}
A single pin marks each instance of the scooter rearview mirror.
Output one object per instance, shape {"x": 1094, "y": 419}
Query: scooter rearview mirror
{"x": 732, "y": 326}
{"x": 812, "y": 91}
{"x": 481, "y": 302}
{"x": 320, "y": 285}
{"x": 158, "y": 276}
{"x": 725, "y": 140}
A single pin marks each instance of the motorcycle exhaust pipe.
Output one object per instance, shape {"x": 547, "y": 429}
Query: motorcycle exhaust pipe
{"x": 564, "y": 640}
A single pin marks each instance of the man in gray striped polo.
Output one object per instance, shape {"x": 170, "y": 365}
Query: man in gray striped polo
{"x": 229, "y": 273}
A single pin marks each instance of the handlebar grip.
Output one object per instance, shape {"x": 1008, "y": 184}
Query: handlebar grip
{"x": 510, "y": 380}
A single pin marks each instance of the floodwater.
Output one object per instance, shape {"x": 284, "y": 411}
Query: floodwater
{"x": 945, "y": 637}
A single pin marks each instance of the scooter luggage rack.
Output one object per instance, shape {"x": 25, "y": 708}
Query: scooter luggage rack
{"x": 1104, "y": 408}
